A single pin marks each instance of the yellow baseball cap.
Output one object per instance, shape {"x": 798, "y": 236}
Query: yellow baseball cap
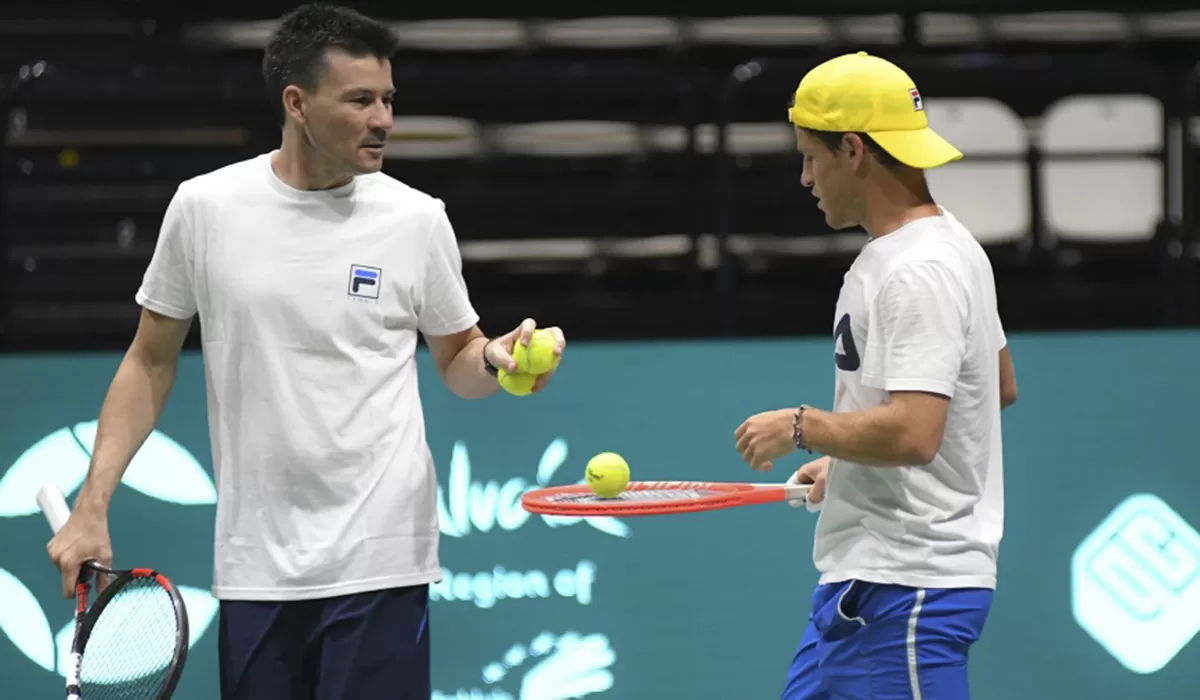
{"x": 868, "y": 94}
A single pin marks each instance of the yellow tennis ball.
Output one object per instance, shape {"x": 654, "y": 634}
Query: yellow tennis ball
{"x": 607, "y": 474}
{"x": 538, "y": 357}
{"x": 519, "y": 384}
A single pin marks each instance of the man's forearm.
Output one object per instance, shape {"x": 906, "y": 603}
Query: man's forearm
{"x": 465, "y": 375}
{"x": 131, "y": 409}
{"x": 877, "y": 436}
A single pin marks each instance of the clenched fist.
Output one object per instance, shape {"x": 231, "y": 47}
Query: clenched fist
{"x": 84, "y": 537}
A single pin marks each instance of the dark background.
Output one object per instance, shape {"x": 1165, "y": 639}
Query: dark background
{"x": 108, "y": 106}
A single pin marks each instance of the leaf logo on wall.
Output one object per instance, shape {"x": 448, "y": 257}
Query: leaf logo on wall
{"x": 161, "y": 469}
{"x": 560, "y": 666}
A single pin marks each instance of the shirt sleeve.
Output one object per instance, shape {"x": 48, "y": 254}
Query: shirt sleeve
{"x": 996, "y": 334}
{"x": 167, "y": 285}
{"x": 916, "y": 331}
{"x": 445, "y": 304}
{"x": 998, "y": 337}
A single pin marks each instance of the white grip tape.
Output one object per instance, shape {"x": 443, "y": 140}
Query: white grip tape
{"x": 793, "y": 481}
{"x": 53, "y": 506}
{"x": 802, "y": 502}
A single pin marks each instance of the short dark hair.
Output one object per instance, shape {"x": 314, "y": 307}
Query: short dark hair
{"x": 833, "y": 141}
{"x": 295, "y": 53}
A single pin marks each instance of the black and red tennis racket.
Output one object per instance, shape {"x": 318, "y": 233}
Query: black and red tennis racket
{"x": 131, "y": 643}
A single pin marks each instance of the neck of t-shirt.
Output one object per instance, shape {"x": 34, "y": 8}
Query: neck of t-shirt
{"x": 911, "y": 217}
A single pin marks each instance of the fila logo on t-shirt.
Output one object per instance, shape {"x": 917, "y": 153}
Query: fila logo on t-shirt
{"x": 365, "y": 281}
{"x": 845, "y": 352}
{"x": 916, "y": 100}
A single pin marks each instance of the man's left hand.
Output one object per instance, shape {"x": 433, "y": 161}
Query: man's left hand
{"x": 499, "y": 350}
{"x": 765, "y": 437}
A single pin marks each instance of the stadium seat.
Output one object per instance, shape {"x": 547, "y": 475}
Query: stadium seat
{"x": 644, "y": 37}
{"x": 434, "y": 154}
{"x": 988, "y": 190}
{"x": 1168, "y": 38}
{"x": 1059, "y": 28}
{"x": 460, "y": 35}
{"x": 1102, "y": 176}
{"x": 527, "y": 89}
{"x": 720, "y": 44}
{"x": 1102, "y": 171}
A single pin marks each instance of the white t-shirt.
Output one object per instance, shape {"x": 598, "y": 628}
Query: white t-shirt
{"x": 310, "y": 304}
{"x": 917, "y": 311}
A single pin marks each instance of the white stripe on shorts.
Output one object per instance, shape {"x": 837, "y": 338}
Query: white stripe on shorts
{"x": 913, "y": 680}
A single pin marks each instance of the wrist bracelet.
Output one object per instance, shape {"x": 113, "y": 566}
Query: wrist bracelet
{"x": 797, "y": 430}
{"x": 487, "y": 364}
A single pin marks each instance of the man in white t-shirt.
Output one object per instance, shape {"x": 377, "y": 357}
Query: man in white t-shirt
{"x": 910, "y": 490}
{"x": 312, "y": 274}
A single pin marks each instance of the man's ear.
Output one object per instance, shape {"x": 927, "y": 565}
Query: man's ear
{"x": 855, "y": 149}
{"x": 293, "y": 102}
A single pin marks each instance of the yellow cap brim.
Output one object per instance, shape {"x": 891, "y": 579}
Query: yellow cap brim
{"x": 919, "y": 148}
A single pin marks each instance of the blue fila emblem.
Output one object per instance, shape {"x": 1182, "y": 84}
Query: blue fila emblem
{"x": 365, "y": 281}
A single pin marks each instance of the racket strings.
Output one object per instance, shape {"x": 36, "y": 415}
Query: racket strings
{"x": 642, "y": 495}
{"x": 132, "y": 644}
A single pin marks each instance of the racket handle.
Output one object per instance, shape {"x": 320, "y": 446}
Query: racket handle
{"x": 54, "y": 506}
{"x": 796, "y": 493}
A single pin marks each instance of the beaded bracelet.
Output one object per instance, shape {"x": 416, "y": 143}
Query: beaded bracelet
{"x": 797, "y": 432}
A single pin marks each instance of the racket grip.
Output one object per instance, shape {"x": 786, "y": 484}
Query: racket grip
{"x": 54, "y": 506}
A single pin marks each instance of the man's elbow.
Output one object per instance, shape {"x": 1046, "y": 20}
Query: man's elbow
{"x": 461, "y": 386}
{"x": 921, "y": 454}
{"x": 919, "y": 422}
{"x": 919, "y": 447}
{"x": 1008, "y": 396}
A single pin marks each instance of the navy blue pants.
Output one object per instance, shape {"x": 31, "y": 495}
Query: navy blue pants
{"x": 366, "y": 645}
{"x": 887, "y": 642}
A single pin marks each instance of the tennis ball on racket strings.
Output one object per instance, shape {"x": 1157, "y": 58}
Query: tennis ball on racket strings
{"x": 607, "y": 474}
{"x": 537, "y": 357}
{"x": 517, "y": 384}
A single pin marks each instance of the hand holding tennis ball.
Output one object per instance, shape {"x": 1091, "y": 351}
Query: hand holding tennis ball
{"x": 538, "y": 357}
{"x": 526, "y": 357}
{"x": 607, "y": 474}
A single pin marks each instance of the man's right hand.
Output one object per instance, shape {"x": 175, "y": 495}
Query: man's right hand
{"x": 814, "y": 473}
{"x": 83, "y": 537}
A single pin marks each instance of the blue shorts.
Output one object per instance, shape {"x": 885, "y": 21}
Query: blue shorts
{"x": 366, "y": 645}
{"x": 887, "y": 642}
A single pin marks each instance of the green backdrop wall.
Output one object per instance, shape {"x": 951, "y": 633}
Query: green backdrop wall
{"x": 1098, "y": 596}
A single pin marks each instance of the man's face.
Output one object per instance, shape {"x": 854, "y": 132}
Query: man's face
{"x": 830, "y": 175}
{"x": 348, "y": 117}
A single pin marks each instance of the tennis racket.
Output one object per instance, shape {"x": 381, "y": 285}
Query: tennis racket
{"x": 132, "y": 642}
{"x": 659, "y": 498}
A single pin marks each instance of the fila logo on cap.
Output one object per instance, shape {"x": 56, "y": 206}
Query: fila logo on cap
{"x": 915, "y": 96}
{"x": 364, "y": 281}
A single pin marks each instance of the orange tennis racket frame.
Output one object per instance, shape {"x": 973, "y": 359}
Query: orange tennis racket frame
{"x": 710, "y": 495}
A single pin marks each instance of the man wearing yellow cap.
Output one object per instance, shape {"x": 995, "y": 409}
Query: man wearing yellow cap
{"x": 910, "y": 487}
